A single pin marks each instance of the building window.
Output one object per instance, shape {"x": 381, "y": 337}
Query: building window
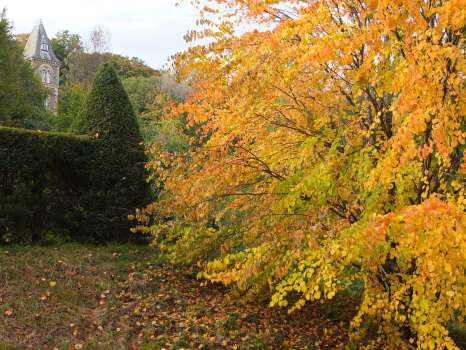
{"x": 46, "y": 77}
{"x": 44, "y": 47}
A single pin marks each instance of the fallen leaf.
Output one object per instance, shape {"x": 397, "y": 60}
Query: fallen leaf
{"x": 9, "y": 312}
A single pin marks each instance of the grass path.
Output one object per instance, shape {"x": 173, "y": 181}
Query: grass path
{"x": 125, "y": 297}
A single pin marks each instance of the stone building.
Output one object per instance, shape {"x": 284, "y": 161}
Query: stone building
{"x": 39, "y": 51}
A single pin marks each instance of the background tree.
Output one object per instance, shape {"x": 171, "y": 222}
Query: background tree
{"x": 21, "y": 93}
{"x": 22, "y": 39}
{"x": 99, "y": 40}
{"x": 178, "y": 91}
{"x": 65, "y": 43}
{"x": 83, "y": 66}
{"x": 141, "y": 91}
{"x": 70, "y": 103}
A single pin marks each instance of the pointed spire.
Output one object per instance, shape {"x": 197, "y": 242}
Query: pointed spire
{"x": 39, "y": 46}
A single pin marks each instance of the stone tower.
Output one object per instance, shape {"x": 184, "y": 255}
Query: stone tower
{"x": 39, "y": 51}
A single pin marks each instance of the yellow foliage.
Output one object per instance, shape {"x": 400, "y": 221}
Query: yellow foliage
{"x": 327, "y": 146}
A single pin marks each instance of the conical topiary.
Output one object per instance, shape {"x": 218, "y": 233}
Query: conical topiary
{"x": 108, "y": 110}
{"x": 122, "y": 185}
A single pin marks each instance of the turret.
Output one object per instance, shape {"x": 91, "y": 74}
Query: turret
{"x": 39, "y": 51}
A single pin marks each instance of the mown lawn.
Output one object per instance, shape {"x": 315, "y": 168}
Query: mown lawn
{"x": 125, "y": 297}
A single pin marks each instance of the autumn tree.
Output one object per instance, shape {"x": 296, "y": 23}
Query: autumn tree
{"x": 328, "y": 148}
{"x": 22, "y": 39}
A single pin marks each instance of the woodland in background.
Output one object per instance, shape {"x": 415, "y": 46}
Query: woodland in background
{"x": 327, "y": 151}
{"x": 151, "y": 91}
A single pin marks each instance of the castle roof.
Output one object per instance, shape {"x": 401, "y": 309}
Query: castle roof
{"x": 39, "y": 46}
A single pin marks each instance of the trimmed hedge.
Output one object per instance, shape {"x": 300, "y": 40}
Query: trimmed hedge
{"x": 121, "y": 157}
{"x": 42, "y": 179}
{"x": 81, "y": 186}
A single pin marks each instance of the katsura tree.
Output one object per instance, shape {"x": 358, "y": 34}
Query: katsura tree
{"x": 327, "y": 147}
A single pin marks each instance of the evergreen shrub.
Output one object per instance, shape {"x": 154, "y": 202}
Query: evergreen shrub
{"x": 83, "y": 187}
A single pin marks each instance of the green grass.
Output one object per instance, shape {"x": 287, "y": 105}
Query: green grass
{"x": 126, "y": 297}
{"x": 49, "y": 289}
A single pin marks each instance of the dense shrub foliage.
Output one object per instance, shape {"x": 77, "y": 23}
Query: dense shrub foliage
{"x": 44, "y": 179}
{"x": 81, "y": 186}
{"x": 331, "y": 149}
{"x": 111, "y": 120}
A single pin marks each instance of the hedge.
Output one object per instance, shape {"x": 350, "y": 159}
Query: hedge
{"x": 82, "y": 187}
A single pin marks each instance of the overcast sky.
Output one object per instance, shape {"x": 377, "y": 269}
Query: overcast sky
{"x": 149, "y": 29}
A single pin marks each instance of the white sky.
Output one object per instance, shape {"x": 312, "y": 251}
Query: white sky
{"x": 149, "y": 29}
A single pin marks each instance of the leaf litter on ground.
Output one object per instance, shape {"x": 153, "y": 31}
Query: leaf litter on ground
{"x": 125, "y": 297}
